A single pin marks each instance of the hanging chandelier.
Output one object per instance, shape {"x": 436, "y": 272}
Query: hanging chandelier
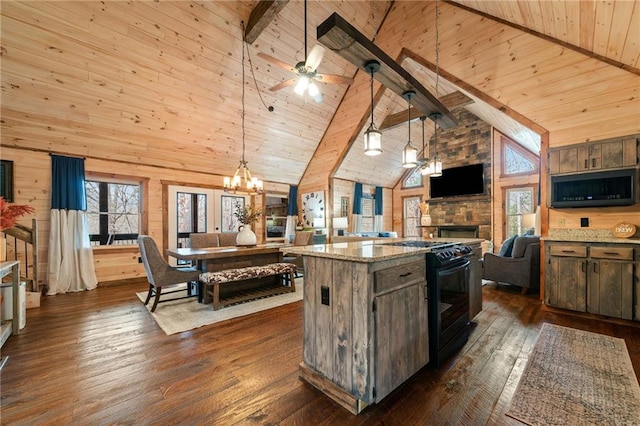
{"x": 409, "y": 153}
{"x": 372, "y": 137}
{"x": 242, "y": 182}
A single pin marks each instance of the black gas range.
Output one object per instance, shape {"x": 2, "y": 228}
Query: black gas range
{"x": 448, "y": 269}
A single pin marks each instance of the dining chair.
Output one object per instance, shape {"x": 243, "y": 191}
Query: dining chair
{"x": 302, "y": 238}
{"x": 162, "y": 275}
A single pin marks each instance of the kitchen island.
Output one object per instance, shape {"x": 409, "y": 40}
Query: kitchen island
{"x": 365, "y": 317}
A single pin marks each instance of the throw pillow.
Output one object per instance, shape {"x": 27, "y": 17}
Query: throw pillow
{"x": 507, "y": 247}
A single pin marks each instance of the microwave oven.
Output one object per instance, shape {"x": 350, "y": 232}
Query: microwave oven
{"x": 594, "y": 189}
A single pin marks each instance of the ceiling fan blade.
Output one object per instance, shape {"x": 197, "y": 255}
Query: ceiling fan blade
{"x": 277, "y": 62}
{"x": 314, "y": 58}
{"x": 331, "y": 78}
{"x": 284, "y": 84}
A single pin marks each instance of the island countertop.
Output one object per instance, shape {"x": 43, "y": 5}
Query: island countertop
{"x": 369, "y": 251}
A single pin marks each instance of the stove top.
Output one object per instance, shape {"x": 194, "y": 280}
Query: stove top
{"x": 421, "y": 244}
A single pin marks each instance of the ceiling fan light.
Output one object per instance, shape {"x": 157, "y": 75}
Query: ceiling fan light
{"x": 409, "y": 156}
{"x": 313, "y": 89}
{"x": 302, "y": 85}
{"x": 372, "y": 142}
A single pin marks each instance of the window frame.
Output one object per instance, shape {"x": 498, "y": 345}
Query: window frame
{"x": 534, "y": 204}
{"x": 143, "y": 184}
{"x": 405, "y": 224}
{"x": 410, "y": 175}
{"x": 533, "y": 158}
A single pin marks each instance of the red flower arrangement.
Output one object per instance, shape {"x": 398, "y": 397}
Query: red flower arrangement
{"x": 10, "y": 213}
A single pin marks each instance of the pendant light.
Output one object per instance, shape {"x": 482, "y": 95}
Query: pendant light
{"x": 242, "y": 182}
{"x": 372, "y": 137}
{"x": 425, "y": 169}
{"x": 435, "y": 165}
{"x": 409, "y": 153}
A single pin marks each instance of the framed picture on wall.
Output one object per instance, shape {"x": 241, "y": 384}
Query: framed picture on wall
{"x": 228, "y": 220}
{"x": 6, "y": 180}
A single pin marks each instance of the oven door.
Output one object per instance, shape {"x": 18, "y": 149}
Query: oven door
{"x": 453, "y": 287}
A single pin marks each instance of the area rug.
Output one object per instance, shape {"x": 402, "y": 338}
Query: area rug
{"x": 187, "y": 314}
{"x": 576, "y": 377}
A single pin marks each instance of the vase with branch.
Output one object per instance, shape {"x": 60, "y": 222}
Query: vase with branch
{"x": 246, "y": 215}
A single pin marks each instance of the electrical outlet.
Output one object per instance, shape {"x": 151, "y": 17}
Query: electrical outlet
{"x": 562, "y": 222}
{"x": 139, "y": 259}
{"x": 324, "y": 295}
{"x": 584, "y": 222}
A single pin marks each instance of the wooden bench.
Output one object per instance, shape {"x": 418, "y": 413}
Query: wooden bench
{"x": 211, "y": 282}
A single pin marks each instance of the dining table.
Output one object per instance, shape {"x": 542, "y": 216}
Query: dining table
{"x": 215, "y": 259}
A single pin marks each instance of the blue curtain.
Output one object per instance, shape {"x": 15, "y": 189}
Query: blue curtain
{"x": 357, "y": 208}
{"x": 357, "y": 199}
{"x": 292, "y": 214}
{"x": 70, "y": 258}
{"x": 68, "y": 184}
{"x": 293, "y": 201}
{"x": 377, "y": 207}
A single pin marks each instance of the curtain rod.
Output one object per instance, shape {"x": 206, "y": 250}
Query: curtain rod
{"x": 65, "y": 155}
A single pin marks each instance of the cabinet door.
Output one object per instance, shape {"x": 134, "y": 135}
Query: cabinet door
{"x": 475, "y": 283}
{"x": 629, "y": 152}
{"x": 583, "y": 158}
{"x": 610, "y": 288}
{"x": 568, "y": 160}
{"x": 401, "y": 337}
{"x": 612, "y": 155}
{"x": 566, "y": 283}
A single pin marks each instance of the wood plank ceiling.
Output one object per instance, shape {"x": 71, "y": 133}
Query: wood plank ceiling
{"x": 159, "y": 83}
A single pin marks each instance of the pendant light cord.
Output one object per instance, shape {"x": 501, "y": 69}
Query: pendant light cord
{"x": 371, "y": 127}
{"x": 243, "y": 132}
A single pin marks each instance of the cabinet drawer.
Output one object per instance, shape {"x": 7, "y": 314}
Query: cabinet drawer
{"x": 621, "y": 253}
{"x": 568, "y": 250}
{"x": 388, "y": 279}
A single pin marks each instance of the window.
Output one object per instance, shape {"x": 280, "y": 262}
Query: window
{"x": 519, "y": 202}
{"x": 368, "y": 219}
{"x": 414, "y": 179}
{"x": 113, "y": 212}
{"x": 411, "y": 213}
{"x": 517, "y": 160}
{"x": 191, "y": 209}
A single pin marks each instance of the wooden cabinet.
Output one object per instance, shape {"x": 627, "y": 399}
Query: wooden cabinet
{"x": 610, "y": 282}
{"x": 475, "y": 281}
{"x": 365, "y": 328}
{"x": 594, "y": 278}
{"x": 565, "y": 276}
{"x": 609, "y": 154}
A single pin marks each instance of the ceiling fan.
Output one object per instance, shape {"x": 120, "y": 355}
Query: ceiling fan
{"x": 306, "y": 71}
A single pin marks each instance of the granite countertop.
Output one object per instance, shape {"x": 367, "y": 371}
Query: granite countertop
{"x": 368, "y": 251}
{"x": 588, "y": 236}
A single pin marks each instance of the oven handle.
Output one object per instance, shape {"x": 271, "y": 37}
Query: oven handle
{"x": 451, "y": 269}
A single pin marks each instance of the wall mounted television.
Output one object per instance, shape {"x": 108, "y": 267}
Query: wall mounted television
{"x": 455, "y": 181}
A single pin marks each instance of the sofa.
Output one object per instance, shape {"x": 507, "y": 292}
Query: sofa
{"x": 519, "y": 266}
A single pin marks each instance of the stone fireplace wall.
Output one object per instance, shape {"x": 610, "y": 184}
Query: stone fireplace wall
{"x": 467, "y": 143}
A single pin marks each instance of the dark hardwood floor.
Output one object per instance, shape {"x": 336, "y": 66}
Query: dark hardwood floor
{"x": 98, "y": 358}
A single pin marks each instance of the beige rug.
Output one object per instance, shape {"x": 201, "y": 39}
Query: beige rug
{"x": 576, "y": 377}
{"x": 187, "y": 314}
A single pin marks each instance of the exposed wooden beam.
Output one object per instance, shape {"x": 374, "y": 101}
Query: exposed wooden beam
{"x": 261, "y": 16}
{"x": 341, "y": 37}
{"x": 452, "y": 101}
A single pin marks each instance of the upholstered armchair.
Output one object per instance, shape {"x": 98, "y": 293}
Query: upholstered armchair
{"x": 521, "y": 268}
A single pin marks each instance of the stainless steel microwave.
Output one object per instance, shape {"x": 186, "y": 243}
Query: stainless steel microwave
{"x": 594, "y": 189}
